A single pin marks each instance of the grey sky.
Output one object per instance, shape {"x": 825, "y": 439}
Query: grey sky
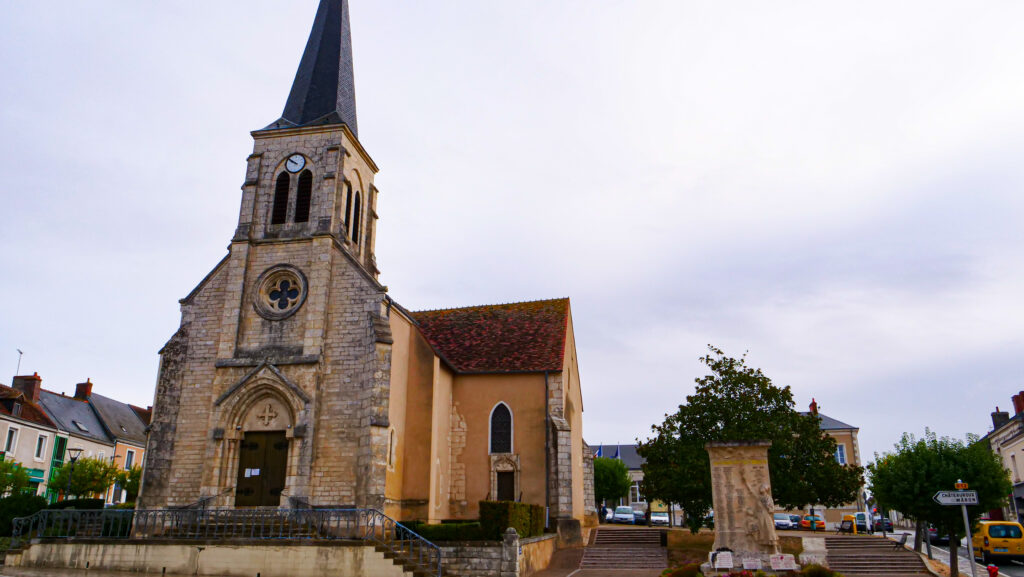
{"x": 834, "y": 188}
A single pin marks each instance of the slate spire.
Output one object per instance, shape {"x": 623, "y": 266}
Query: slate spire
{"x": 324, "y": 88}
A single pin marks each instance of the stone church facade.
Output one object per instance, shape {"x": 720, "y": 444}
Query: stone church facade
{"x": 295, "y": 381}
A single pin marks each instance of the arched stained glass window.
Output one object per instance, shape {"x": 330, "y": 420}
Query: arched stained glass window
{"x": 304, "y": 196}
{"x": 501, "y": 429}
{"x": 280, "y": 211}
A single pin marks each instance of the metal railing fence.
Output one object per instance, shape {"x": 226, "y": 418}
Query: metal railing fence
{"x": 191, "y": 524}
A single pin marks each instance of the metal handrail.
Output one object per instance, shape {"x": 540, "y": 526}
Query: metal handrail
{"x": 368, "y": 525}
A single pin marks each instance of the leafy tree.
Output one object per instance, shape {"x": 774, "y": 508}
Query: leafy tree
{"x": 91, "y": 476}
{"x": 129, "y": 481}
{"x": 13, "y": 477}
{"x": 907, "y": 479}
{"x": 739, "y": 403}
{"x": 611, "y": 479}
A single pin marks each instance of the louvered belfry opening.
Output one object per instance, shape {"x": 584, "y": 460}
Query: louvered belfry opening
{"x": 356, "y": 220}
{"x": 304, "y": 196}
{"x": 501, "y": 430}
{"x": 280, "y": 210}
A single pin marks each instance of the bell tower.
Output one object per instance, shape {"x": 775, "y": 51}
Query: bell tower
{"x": 309, "y": 175}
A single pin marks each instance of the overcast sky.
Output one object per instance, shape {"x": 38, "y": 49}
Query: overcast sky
{"x": 833, "y": 187}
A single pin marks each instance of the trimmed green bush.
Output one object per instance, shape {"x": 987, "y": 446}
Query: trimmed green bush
{"x": 497, "y": 516}
{"x": 18, "y": 505}
{"x": 80, "y": 504}
{"x": 691, "y": 570}
{"x": 470, "y": 531}
{"x": 819, "y": 571}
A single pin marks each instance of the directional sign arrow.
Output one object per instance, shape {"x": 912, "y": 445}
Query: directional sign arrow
{"x": 956, "y": 497}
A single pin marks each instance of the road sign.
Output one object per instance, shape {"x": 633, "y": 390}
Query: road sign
{"x": 956, "y": 497}
{"x": 961, "y": 486}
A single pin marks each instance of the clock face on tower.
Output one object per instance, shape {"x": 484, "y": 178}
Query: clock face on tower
{"x": 295, "y": 163}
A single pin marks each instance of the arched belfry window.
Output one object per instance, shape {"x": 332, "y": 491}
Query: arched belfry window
{"x": 348, "y": 206}
{"x": 304, "y": 196}
{"x": 356, "y": 219}
{"x": 280, "y": 210}
{"x": 501, "y": 429}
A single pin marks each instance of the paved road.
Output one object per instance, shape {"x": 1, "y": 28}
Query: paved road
{"x": 941, "y": 553}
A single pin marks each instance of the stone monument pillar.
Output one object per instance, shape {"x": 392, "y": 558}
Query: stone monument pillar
{"x": 742, "y": 495}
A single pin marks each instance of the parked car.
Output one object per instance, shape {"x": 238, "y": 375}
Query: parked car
{"x": 659, "y": 519}
{"x": 794, "y": 520}
{"x": 782, "y": 521}
{"x": 623, "y": 515}
{"x": 639, "y": 517}
{"x": 935, "y": 538}
{"x": 997, "y": 542}
{"x": 818, "y": 523}
{"x": 882, "y": 524}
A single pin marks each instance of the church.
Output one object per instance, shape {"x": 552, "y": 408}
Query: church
{"x": 295, "y": 381}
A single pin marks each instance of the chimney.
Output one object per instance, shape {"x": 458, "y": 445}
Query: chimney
{"x": 1018, "y": 403}
{"x": 814, "y": 406}
{"x": 1000, "y": 418}
{"x": 29, "y": 385}
{"x": 83, "y": 390}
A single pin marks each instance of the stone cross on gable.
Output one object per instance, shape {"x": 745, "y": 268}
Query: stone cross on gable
{"x": 268, "y": 415}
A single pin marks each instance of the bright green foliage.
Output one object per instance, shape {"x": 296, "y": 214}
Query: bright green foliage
{"x": 611, "y": 479}
{"x": 739, "y": 403}
{"x": 13, "y": 477}
{"x": 129, "y": 481}
{"x": 907, "y": 479}
{"x": 91, "y": 476}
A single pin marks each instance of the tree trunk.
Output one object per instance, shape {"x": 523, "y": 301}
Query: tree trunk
{"x": 954, "y": 558}
{"x": 919, "y": 529}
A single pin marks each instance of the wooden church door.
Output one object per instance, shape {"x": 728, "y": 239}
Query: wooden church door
{"x": 262, "y": 463}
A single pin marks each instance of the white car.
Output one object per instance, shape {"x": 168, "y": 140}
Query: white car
{"x": 659, "y": 519}
{"x": 782, "y": 521}
{"x": 623, "y": 515}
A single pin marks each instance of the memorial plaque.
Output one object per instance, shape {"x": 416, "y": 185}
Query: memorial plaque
{"x": 752, "y": 564}
{"x": 783, "y": 563}
{"x": 723, "y": 560}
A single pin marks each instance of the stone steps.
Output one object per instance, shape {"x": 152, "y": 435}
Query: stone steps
{"x": 625, "y": 549}
{"x": 867, "y": 555}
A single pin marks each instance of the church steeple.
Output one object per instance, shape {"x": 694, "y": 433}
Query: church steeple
{"x": 323, "y": 91}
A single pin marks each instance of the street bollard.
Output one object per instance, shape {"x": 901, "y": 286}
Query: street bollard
{"x": 993, "y": 571}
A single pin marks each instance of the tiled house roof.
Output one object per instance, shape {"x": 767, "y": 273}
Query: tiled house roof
{"x": 830, "y": 424}
{"x": 508, "y": 338}
{"x": 29, "y": 411}
{"x": 73, "y": 415}
{"x": 121, "y": 421}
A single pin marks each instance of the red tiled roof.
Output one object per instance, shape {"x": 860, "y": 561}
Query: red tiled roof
{"x": 509, "y": 338}
{"x": 29, "y": 411}
{"x": 145, "y": 415}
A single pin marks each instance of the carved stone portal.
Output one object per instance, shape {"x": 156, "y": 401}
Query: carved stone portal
{"x": 742, "y": 495}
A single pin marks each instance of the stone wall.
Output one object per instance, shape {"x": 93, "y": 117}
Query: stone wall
{"x": 210, "y": 558}
{"x": 510, "y": 558}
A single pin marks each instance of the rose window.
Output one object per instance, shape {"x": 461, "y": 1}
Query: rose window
{"x": 280, "y": 291}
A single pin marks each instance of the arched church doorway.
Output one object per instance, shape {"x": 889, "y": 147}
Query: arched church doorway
{"x": 262, "y": 464}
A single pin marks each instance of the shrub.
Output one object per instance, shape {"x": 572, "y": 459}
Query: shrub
{"x": 497, "y": 516}
{"x": 818, "y": 571}
{"x": 128, "y": 505}
{"x": 691, "y": 570}
{"x": 537, "y": 520}
{"x": 18, "y": 505}
{"x": 78, "y": 504}
{"x": 449, "y": 531}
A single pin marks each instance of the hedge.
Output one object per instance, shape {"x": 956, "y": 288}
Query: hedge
{"x": 498, "y": 516}
{"x": 18, "y": 505}
{"x": 82, "y": 504}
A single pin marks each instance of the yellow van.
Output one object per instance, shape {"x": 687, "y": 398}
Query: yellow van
{"x": 998, "y": 541}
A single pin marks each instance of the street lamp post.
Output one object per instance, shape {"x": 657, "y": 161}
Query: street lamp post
{"x": 73, "y": 455}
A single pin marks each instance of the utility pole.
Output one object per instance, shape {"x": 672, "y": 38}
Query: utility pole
{"x": 17, "y": 371}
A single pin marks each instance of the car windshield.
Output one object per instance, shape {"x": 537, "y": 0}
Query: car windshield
{"x": 813, "y": 518}
{"x": 782, "y": 516}
{"x": 626, "y": 510}
{"x": 659, "y": 514}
